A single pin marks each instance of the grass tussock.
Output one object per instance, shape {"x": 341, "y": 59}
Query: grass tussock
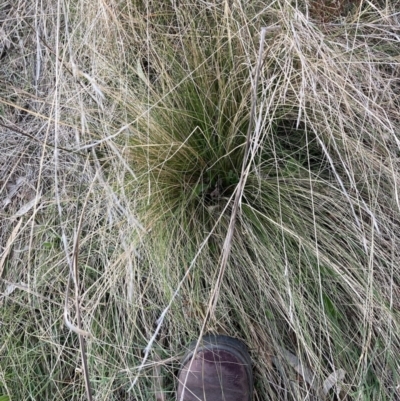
{"x": 127, "y": 129}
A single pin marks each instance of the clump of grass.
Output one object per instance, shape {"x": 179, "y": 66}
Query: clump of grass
{"x": 310, "y": 219}
{"x": 164, "y": 99}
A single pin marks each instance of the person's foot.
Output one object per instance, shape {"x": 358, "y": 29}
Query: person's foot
{"x": 220, "y": 371}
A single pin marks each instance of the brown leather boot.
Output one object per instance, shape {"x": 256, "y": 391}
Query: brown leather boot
{"x": 220, "y": 371}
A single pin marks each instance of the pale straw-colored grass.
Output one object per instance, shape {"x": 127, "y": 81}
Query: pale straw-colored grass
{"x": 124, "y": 128}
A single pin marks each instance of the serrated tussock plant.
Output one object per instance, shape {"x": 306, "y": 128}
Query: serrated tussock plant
{"x": 313, "y": 206}
{"x": 155, "y": 120}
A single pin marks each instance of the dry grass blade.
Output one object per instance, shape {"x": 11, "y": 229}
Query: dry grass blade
{"x": 9, "y": 244}
{"x": 158, "y": 379}
{"x": 241, "y": 184}
{"x": 78, "y": 330}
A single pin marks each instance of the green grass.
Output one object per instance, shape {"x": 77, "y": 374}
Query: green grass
{"x": 138, "y": 117}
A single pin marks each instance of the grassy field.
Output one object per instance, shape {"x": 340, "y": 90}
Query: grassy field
{"x": 175, "y": 168}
